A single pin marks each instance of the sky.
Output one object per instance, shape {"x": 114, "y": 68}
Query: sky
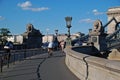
{"x": 49, "y": 15}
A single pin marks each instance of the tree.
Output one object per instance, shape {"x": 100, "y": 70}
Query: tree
{"x": 4, "y": 33}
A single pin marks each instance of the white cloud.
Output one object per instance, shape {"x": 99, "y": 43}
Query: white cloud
{"x": 37, "y": 9}
{"x": 25, "y": 4}
{"x": 2, "y": 18}
{"x": 28, "y": 6}
{"x": 96, "y": 12}
{"x": 88, "y": 20}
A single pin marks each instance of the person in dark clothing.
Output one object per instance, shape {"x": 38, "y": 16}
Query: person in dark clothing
{"x": 8, "y": 46}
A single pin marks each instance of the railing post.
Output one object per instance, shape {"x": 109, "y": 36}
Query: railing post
{"x": 14, "y": 58}
{"x": 25, "y": 53}
{"x": 19, "y": 55}
{"x": 8, "y": 60}
{"x": 1, "y": 61}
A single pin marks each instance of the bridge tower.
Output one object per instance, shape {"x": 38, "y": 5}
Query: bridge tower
{"x": 113, "y": 12}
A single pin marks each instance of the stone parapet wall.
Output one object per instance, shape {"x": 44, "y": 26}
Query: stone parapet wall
{"x": 87, "y": 67}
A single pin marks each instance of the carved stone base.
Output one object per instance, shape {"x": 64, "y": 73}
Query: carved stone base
{"x": 99, "y": 42}
{"x": 114, "y": 55}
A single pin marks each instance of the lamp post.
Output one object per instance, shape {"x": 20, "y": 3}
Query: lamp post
{"x": 47, "y": 33}
{"x": 68, "y": 25}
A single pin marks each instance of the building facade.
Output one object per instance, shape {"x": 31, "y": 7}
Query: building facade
{"x": 16, "y": 39}
{"x": 60, "y": 37}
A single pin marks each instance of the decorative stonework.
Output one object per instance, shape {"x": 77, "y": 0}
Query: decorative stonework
{"x": 114, "y": 55}
{"x": 113, "y": 12}
{"x": 32, "y": 37}
{"x": 97, "y": 28}
{"x": 97, "y": 36}
{"x": 30, "y": 28}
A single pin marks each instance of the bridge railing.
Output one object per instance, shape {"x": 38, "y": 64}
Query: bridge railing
{"x": 17, "y": 55}
{"x": 87, "y": 67}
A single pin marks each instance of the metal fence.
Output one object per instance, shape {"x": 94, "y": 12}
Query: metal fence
{"x": 17, "y": 55}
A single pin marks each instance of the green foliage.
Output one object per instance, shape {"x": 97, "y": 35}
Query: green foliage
{"x": 4, "y": 33}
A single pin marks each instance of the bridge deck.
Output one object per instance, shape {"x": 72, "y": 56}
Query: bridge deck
{"x": 39, "y": 67}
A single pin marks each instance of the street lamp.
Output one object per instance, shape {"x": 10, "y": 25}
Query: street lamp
{"x": 68, "y": 25}
{"x": 47, "y": 33}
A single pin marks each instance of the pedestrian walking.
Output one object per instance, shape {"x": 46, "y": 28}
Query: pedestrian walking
{"x": 50, "y": 48}
{"x": 8, "y": 46}
{"x": 62, "y": 45}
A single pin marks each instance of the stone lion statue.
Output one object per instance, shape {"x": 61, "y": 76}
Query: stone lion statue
{"x": 98, "y": 27}
{"x": 29, "y": 27}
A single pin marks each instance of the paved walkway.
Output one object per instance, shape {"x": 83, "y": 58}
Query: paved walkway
{"x": 39, "y": 67}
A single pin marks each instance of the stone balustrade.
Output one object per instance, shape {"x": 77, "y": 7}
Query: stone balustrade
{"x": 87, "y": 67}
